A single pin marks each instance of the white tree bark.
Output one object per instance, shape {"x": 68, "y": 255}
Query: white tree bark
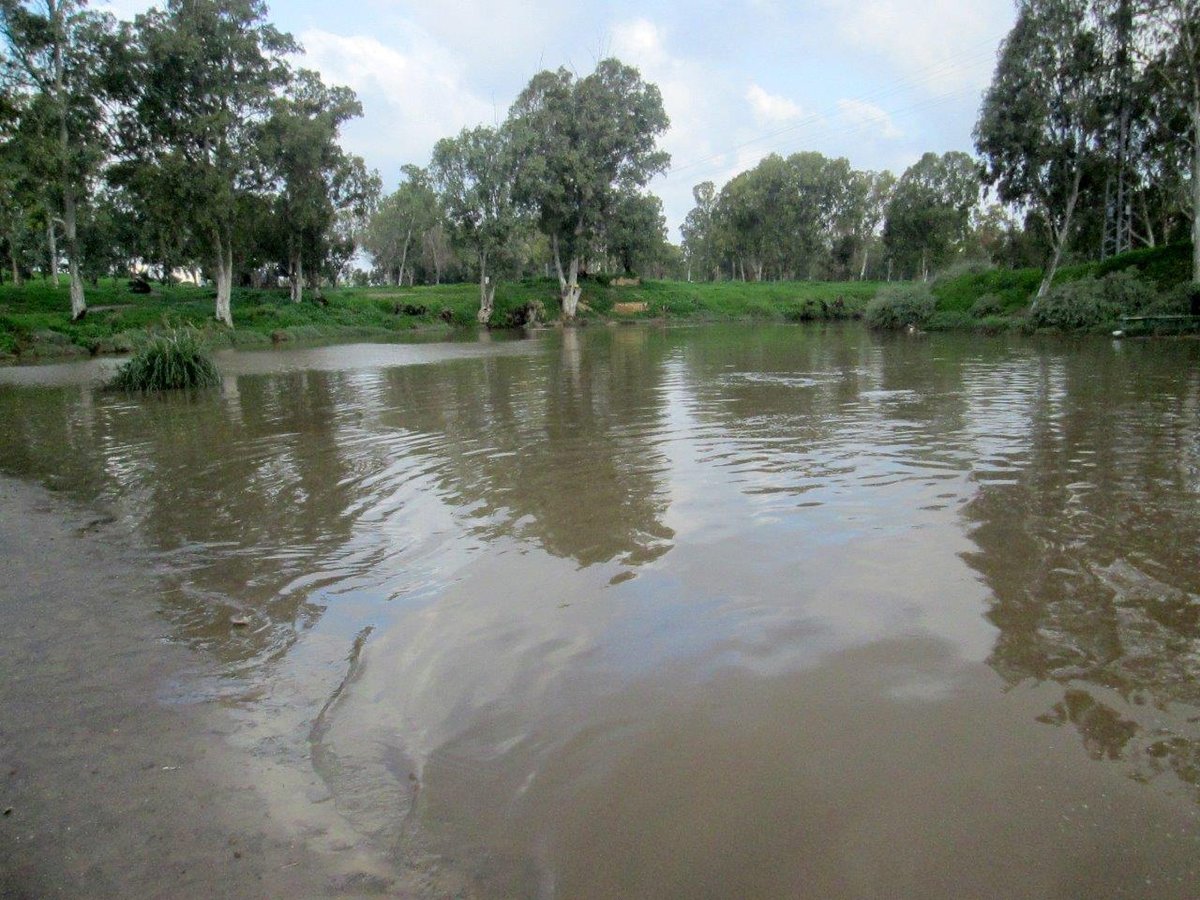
{"x": 295, "y": 274}
{"x": 78, "y": 303}
{"x": 224, "y": 250}
{"x": 1061, "y": 235}
{"x": 487, "y": 292}
{"x": 571, "y": 291}
{"x": 52, "y": 246}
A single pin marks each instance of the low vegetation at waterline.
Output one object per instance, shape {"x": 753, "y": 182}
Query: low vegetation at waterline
{"x": 167, "y": 361}
{"x": 34, "y": 322}
{"x": 901, "y": 305}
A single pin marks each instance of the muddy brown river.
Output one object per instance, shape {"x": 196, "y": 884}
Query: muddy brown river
{"x": 726, "y": 611}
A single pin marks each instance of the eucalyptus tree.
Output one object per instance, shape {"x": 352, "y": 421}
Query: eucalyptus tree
{"x": 309, "y": 169}
{"x": 55, "y": 50}
{"x": 928, "y": 216}
{"x": 1042, "y": 120}
{"x": 20, "y": 199}
{"x": 474, "y": 175}
{"x": 756, "y": 215}
{"x": 636, "y": 232}
{"x": 584, "y": 143}
{"x": 201, "y": 82}
{"x": 355, "y": 191}
{"x": 402, "y": 221}
{"x": 699, "y": 231}
{"x": 879, "y": 188}
{"x": 1173, "y": 28}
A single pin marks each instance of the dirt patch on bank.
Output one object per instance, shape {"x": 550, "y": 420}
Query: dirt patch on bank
{"x": 110, "y": 785}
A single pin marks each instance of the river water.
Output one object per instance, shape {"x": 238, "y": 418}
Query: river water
{"x": 725, "y": 611}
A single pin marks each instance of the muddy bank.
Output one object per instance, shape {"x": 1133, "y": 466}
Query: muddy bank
{"x": 111, "y": 785}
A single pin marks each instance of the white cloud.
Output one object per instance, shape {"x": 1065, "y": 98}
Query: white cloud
{"x": 123, "y": 9}
{"x": 860, "y": 114}
{"x": 772, "y": 109}
{"x": 640, "y": 40}
{"x": 697, "y": 100}
{"x": 944, "y": 46}
{"x": 411, "y": 97}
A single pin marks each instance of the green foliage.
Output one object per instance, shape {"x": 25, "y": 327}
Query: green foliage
{"x": 901, "y": 305}
{"x": 169, "y": 361}
{"x": 987, "y": 305}
{"x": 583, "y": 145}
{"x": 929, "y": 212}
{"x": 960, "y": 268}
{"x": 1165, "y": 267}
{"x": 1092, "y": 304}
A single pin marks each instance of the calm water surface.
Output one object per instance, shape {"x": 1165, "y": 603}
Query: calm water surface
{"x": 740, "y": 612}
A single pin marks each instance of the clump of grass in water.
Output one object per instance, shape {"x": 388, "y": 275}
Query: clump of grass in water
{"x": 168, "y": 361}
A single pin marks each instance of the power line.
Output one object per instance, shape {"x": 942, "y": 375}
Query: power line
{"x": 966, "y": 55}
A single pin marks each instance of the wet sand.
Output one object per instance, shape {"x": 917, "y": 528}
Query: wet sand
{"x": 112, "y": 787}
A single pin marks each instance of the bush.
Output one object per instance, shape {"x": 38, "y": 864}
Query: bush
{"x": 963, "y": 267}
{"x": 1128, "y": 291}
{"x": 949, "y": 320}
{"x": 986, "y": 306}
{"x": 168, "y": 361}
{"x": 898, "y": 306}
{"x": 1091, "y": 304}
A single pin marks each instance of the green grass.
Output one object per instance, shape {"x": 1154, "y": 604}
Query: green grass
{"x": 168, "y": 361}
{"x": 1163, "y": 268}
{"x": 34, "y": 319}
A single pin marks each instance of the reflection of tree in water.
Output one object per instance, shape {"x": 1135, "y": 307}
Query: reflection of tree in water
{"x": 558, "y": 449}
{"x": 234, "y": 492}
{"x": 1091, "y": 547}
{"x": 256, "y": 497}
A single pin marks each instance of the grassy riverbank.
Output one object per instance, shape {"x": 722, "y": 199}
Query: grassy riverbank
{"x": 34, "y": 321}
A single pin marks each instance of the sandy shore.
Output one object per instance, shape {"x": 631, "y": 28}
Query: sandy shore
{"x": 109, "y": 785}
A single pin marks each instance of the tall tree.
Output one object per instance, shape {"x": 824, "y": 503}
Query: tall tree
{"x": 56, "y": 49}
{"x": 201, "y": 84}
{"x": 699, "y": 233}
{"x": 1041, "y": 122}
{"x": 474, "y": 175}
{"x": 636, "y": 232}
{"x": 401, "y": 222}
{"x": 301, "y": 151}
{"x": 1174, "y": 29}
{"x": 929, "y": 213}
{"x": 583, "y": 144}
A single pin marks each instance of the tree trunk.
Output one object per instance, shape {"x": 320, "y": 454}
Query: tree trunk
{"x": 295, "y": 274}
{"x": 568, "y": 282}
{"x": 1196, "y": 189}
{"x": 571, "y": 291}
{"x": 487, "y": 292}
{"x": 78, "y": 303}
{"x": 16, "y": 268}
{"x": 862, "y": 275}
{"x": 52, "y": 246}
{"x": 1060, "y": 240}
{"x": 403, "y": 258}
{"x": 224, "y": 250}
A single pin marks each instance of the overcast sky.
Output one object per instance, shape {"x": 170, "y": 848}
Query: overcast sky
{"x": 876, "y": 81}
